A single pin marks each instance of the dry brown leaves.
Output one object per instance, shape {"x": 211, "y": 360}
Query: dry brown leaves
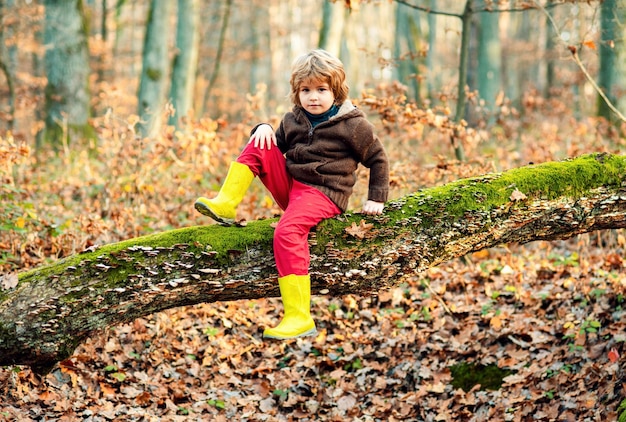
{"x": 551, "y": 312}
{"x": 555, "y": 319}
{"x": 361, "y": 230}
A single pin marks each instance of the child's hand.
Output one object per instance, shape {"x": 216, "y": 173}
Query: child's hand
{"x": 263, "y": 136}
{"x": 373, "y": 208}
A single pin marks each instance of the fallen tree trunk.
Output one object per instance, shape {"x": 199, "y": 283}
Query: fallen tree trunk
{"x": 53, "y": 309}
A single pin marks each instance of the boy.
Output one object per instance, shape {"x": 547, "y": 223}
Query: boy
{"x": 308, "y": 164}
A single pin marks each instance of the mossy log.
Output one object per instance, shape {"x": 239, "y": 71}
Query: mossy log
{"x": 47, "y": 312}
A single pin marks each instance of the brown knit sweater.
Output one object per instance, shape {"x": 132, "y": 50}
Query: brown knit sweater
{"x": 327, "y": 156}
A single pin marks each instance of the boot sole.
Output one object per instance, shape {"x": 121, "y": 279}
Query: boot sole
{"x": 309, "y": 333}
{"x": 204, "y": 210}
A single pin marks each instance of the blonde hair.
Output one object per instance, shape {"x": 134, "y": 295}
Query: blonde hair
{"x": 322, "y": 66}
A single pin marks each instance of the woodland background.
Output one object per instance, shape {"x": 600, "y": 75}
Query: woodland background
{"x": 105, "y": 146}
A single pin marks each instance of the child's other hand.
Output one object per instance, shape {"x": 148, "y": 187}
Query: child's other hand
{"x": 263, "y": 136}
{"x": 373, "y": 208}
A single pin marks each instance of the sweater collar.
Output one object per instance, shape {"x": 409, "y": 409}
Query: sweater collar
{"x": 345, "y": 108}
{"x": 316, "y": 119}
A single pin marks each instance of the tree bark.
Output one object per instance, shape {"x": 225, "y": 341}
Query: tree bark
{"x": 331, "y": 31}
{"x": 7, "y": 66}
{"x": 185, "y": 60}
{"x": 67, "y": 70}
{"x": 407, "y": 45}
{"x": 154, "y": 74}
{"x": 609, "y": 72}
{"x": 489, "y": 72}
{"x": 461, "y": 102}
{"x": 54, "y": 308}
{"x": 219, "y": 52}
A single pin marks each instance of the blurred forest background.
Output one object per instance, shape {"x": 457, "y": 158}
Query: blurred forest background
{"x": 105, "y": 106}
{"x": 116, "y": 115}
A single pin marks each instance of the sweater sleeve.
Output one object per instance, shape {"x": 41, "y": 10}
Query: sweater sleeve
{"x": 373, "y": 156}
{"x": 280, "y": 137}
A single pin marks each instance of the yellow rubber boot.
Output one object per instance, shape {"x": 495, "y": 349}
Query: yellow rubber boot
{"x": 223, "y": 208}
{"x": 295, "y": 291}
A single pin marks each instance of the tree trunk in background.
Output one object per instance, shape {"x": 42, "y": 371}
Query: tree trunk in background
{"x": 67, "y": 70}
{"x": 578, "y": 83}
{"x": 534, "y": 33}
{"x": 525, "y": 34}
{"x": 461, "y": 102}
{"x": 510, "y": 66}
{"x": 6, "y": 66}
{"x": 98, "y": 14}
{"x": 215, "y": 69}
{"x": 152, "y": 84}
{"x": 104, "y": 37}
{"x": 549, "y": 58}
{"x": 345, "y": 50}
{"x": 261, "y": 61}
{"x": 333, "y": 19}
{"x": 621, "y": 55}
{"x": 489, "y": 77}
{"x": 407, "y": 47}
{"x": 608, "y": 73}
{"x": 121, "y": 40}
{"x": 434, "y": 77}
{"x": 38, "y": 66}
{"x": 104, "y": 10}
{"x": 9, "y": 34}
{"x": 210, "y": 18}
{"x": 185, "y": 60}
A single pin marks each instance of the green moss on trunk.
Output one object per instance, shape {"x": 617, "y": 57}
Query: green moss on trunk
{"x": 476, "y": 197}
{"x": 222, "y": 242}
{"x": 572, "y": 178}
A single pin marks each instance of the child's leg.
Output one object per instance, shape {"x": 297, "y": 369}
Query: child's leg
{"x": 304, "y": 207}
{"x": 307, "y": 207}
{"x": 223, "y": 208}
{"x": 271, "y": 168}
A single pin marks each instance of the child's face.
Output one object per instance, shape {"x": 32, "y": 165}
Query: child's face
{"x": 316, "y": 96}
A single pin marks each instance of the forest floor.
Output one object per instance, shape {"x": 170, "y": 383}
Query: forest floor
{"x": 532, "y": 332}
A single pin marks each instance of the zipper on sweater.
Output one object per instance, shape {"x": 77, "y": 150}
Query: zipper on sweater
{"x": 310, "y": 133}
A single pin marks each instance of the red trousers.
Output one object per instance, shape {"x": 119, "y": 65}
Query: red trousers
{"x": 304, "y": 207}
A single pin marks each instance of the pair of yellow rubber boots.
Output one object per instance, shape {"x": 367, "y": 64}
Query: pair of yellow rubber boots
{"x": 295, "y": 290}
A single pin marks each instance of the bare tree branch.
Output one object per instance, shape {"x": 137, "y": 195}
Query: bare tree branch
{"x": 490, "y": 9}
{"x": 574, "y": 51}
